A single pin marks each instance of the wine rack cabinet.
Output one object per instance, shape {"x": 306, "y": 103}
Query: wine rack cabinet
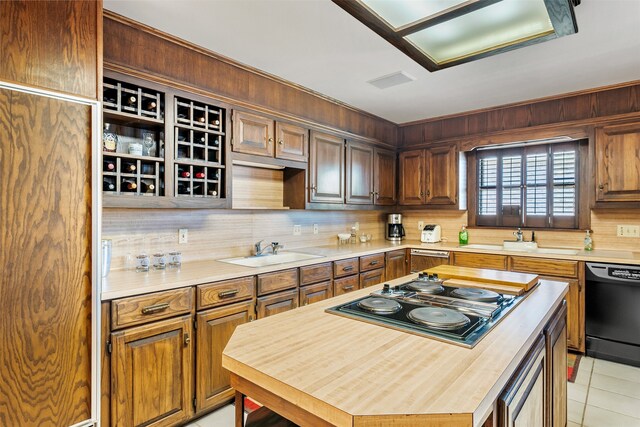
{"x": 131, "y": 175}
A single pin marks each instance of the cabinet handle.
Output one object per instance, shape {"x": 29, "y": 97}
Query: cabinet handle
{"x": 187, "y": 339}
{"x": 601, "y": 186}
{"x": 157, "y": 308}
{"x": 281, "y": 142}
{"x": 313, "y": 187}
{"x": 348, "y": 268}
{"x": 347, "y": 288}
{"x": 270, "y": 139}
{"x": 428, "y": 193}
{"x": 373, "y": 263}
{"x": 377, "y": 195}
{"x": 228, "y": 293}
{"x": 421, "y": 193}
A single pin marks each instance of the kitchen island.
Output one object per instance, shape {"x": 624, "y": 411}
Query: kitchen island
{"x": 317, "y": 368}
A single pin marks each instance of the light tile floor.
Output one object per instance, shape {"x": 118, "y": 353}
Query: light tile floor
{"x": 605, "y": 394}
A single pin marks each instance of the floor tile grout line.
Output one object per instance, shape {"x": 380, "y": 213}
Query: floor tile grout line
{"x": 586, "y": 398}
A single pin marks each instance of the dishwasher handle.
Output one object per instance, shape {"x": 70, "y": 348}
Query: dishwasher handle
{"x": 430, "y": 253}
{"x": 613, "y": 273}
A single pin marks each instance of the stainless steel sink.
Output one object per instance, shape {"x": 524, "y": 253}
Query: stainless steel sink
{"x": 266, "y": 260}
{"x": 524, "y": 248}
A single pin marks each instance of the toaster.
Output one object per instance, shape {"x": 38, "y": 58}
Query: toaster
{"x": 431, "y": 233}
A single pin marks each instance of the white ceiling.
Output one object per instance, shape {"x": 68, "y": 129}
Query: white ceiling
{"x": 316, "y": 44}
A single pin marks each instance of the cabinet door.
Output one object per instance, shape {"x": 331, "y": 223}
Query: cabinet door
{"x": 314, "y": 293}
{"x": 276, "y": 303}
{"x": 373, "y": 277}
{"x": 412, "y": 178}
{"x": 359, "y": 185}
{"x": 292, "y": 142}
{"x": 395, "y": 264}
{"x": 326, "y": 168}
{"x": 617, "y": 165}
{"x": 442, "y": 175}
{"x": 252, "y": 134}
{"x": 151, "y": 373}
{"x": 522, "y": 404}
{"x": 556, "y": 343}
{"x": 575, "y": 312}
{"x": 215, "y": 328}
{"x": 384, "y": 177}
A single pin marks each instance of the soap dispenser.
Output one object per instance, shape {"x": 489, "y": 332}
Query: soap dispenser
{"x": 588, "y": 242}
{"x": 463, "y": 236}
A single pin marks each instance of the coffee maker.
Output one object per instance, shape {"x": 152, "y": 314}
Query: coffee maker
{"x": 395, "y": 230}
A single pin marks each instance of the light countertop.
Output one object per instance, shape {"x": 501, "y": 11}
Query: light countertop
{"x": 123, "y": 283}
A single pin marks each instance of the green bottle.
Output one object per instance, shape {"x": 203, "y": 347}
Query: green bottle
{"x": 463, "y": 236}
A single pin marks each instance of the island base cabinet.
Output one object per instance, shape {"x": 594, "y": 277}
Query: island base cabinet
{"x": 214, "y": 329}
{"x": 151, "y": 374}
{"x": 556, "y": 343}
{"x": 276, "y": 303}
{"x": 523, "y": 401}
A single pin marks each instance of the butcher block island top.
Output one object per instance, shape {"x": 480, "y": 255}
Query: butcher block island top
{"x": 344, "y": 372}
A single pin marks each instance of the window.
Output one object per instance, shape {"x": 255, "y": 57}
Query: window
{"x": 534, "y": 186}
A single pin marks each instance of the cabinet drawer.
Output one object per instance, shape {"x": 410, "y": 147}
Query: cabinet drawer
{"x": 315, "y": 273}
{"x": 314, "y": 293}
{"x": 549, "y": 267}
{"x": 277, "y": 281}
{"x": 495, "y": 262}
{"x": 346, "y": 284}
{"x": 372, "y": 277}
{"x": 227, "y": 291}
{"x": 371, "y": 262}
{"x": 276, "y": 303}
{"x": 345, "y": 267}
{"x": 147, "y": 308}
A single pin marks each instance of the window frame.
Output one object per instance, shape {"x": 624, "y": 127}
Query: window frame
{"x": 581, "y": 217}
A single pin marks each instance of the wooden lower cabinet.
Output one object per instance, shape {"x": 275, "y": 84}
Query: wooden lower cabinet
{"x": 477, "y": 260}
{"x": 317, "y": 292}
{"x": 151, "y": 371}
{"x": 523, "y": 401}
{"x": 276, "y": 303}
{"x": 346, "y": 284}
{"x": 214, "y": 329}
{"x": 373, "y": 277}
{"x": 396, "y": 264}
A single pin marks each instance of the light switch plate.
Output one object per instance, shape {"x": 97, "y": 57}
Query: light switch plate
{"x": 315, "y": 228}
{"x": 628, "y": 231}
{"x": 297, "y": 230}
{"x": 183, "y": 235}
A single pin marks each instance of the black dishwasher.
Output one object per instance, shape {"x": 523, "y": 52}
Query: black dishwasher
{"x": 613, "y": 312}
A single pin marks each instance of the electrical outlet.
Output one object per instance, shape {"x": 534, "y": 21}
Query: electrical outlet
{"x": 183, "y": 235}
{"x": 357, "y": 226}
{"x": 420, "y": 225}
{"x": 315, "y": 228}
{"x": 628, "y": 231}
{"x": 297, "y": 230}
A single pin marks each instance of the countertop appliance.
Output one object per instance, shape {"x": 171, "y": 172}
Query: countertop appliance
{"x": 431, "y": 233}
{"x": 427, "y": 307}
{"x": 612, "y": 298}
{"x": 423, "y": 259}
{"x": 395, "y": 230}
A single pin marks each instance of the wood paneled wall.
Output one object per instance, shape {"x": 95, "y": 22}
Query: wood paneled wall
{"x": 581, "y": 108}
{"x": 54, "y": 45}
{"x": 131, "y": 45}
{"x": 215, "y": 234}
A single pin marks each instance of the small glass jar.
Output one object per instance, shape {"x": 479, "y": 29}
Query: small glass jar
{"x": 142, "y": 263}
{"x": 159, "y": 261}
{"x": 175, "y": 259}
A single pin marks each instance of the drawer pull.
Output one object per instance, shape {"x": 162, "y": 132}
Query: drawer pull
{"x": 348, "y": 268}
{"x": 187, "y": 339}
{"x": 156, "y": 308}
{"x": 229, "y": 293}
{"x": 373, "y": 262}
{"x": 347, "y": 288}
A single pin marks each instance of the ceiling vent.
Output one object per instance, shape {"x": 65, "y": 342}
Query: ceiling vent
{"x": 390, "y": 80}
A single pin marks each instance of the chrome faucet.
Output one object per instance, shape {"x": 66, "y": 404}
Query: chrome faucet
{"x": 519, "y": 235}
{"x": 274, "y": 246}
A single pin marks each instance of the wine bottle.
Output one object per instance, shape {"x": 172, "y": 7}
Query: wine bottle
{"x": 129, "y": 167}
{"x": 183, "y": 188}
{"x": 151, "y": 105}
{"x": 199, "y": 175}
{"x": 147, "y": 188}
{"x": 128, "y": 185}
{"x": 183, "y": 173}
{"x": 213, "y": 193}
{"x": 215, "y": 122}
{"x": 131, "y": 100}
{"x": 108, "y": 185}
{"x": 109, "y": 166}
{"x": 109, "y": 139}
{"x": 201, "y": 119}
{"x": 203, "y": 139}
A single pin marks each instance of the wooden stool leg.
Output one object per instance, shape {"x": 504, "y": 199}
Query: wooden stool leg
{"x": 239, "y": 409}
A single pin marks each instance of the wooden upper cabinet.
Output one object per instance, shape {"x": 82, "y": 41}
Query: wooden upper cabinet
{"x": 292, "y": 142}
{"x": 442, "y": 175}
{"x": 252, "y": 134}
{"x": 359, "y": 185}
{"x": 411, "y": 188}
{"x": 151, "y": 370}
{"x": 326, "y": 168}
{"x": 384, "y": 177}
{"x": 617, "y": 165}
